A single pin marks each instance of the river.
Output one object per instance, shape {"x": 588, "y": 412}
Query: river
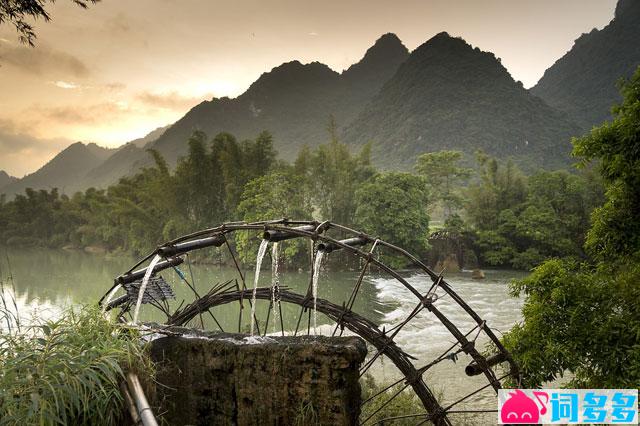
{"x": 46, "y": 280}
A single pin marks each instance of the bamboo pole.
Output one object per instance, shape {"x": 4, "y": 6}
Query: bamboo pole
{"x": 144, "y": 410}
{"x": 131, "y": 405}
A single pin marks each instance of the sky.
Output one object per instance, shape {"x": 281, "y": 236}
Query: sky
{"x": 118, "y": 70}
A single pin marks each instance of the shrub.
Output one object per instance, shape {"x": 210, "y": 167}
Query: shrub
{"x": 67, "y": 371}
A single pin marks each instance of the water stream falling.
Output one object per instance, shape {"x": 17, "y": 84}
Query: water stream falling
{"x": 143, "y": 286}
{"x": 261, "y": 251}
{"x": 109, "y": 297}
{"x": 314, "y": 287}
{"x": 275, "y": 285}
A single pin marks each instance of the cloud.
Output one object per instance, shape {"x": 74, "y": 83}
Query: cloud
{"x": 41, "y": 60}
{"x": 115, "y": 87}
{"x": 170, "y": 100}
{"x": 313, "y": 34}
{"x": 91, "y": 114}
{"x": 21, "y": 153}
{"x": 65, "y": 85}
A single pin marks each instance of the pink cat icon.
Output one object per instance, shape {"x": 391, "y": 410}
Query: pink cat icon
{"x": 519, "y": 408}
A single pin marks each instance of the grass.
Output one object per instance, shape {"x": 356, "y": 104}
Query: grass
{"x": 307, "y": 415}
{"x": 66, "y": 371}
{"x": 405, "y": 403}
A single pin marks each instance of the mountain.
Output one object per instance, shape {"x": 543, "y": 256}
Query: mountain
{"x": 583, "y": 82}
{"x": 449, "y": 95}
{"x": 151, "y": 137}
{"x": 126, "y": 160}
{"x": 443, "y": 95}
{"x": 5, "y": 179}
{"x": 293, "y": 101}
{"x": 65, "y": 171}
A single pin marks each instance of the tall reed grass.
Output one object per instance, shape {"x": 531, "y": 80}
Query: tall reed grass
{"x": 64, "y": 371}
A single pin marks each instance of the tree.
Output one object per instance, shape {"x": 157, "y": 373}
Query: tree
{"x": 391, "y": 206}
{"x": 444, "y": 176}
{"x": 334, "y": 175}
{"x": 18, "y": 12}
{"x": 584, "y": 317}
{"x": 196, "y": 182}
{"x": 522, "y": 221}
{"x": 259, "y": 156}
{"x": 277, "y": 195}
{"x": 498, "y": 187}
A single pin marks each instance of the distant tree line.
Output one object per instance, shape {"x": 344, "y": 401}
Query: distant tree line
{"x": 506, "y": 218}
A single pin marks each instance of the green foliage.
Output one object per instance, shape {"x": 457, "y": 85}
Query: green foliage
{"x": 219, "y": 180}
{"x": 276, "y": 195}
{"x": 444, "y": 176}
{"x": 67, "y": 371}
{"x": 522, "y": 221}
{"x": 582, "y": 320}
{"x": 616, "y": 229}
{"x": 19, "y": 13}
{"x": 392, "y": 206}
{"x": 405, "y": 404}
{"x": 333, "y": 176}
{"x": 585, "y": 318}
{"x": 143, "y": 210}
{"x": 307, "y": 414}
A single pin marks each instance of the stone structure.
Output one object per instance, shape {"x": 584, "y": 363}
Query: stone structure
{"x": 220, "y": 378}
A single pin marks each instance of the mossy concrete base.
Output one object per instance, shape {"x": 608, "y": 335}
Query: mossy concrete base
{"x": 220, "y": 379}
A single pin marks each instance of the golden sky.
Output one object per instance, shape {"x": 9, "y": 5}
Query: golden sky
{"x": 118, "y": 70}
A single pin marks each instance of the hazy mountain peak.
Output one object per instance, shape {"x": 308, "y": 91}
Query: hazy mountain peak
{"x": 444, "y": 40}
{"x": 291, "y": 68}
{"x": 450, "y": 95}
{"x": 583, "y": 82}
{"x": 149, "y": 137}
{"x": 442, "y": 35}
{"x": 627, "y": 9}
{"x": 80, "y": 148}
{"x": 384, "y": 57}
{"x": 387, "y": 45}
{"x": 390, "y": 38}
{"x": 454, "y": 55}
{"x": 5, "y": 179}
{"x": 294, "y": 74}
{"x": 65, "y": 171}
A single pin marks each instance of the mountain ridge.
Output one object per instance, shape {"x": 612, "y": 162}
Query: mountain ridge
{"x": 449, "y": 95}
{"x": 445, "y": 94}
{"x": 582, "y": 82}
{"x": 65, "y": 171}
{"x": 293, "y": 101}
{"x": 6, "y": 179}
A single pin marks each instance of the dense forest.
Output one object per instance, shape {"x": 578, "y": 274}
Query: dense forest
{"x": 495, "y": 214}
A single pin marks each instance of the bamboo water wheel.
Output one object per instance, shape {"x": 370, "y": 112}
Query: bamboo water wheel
{"x": 326, "y": 239}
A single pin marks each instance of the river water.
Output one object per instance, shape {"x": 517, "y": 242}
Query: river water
{"x": 46, "y": 280}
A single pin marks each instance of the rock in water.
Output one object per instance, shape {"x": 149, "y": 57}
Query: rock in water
{"x": 448, "y": 264}
{"x": 477, "y": 274}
